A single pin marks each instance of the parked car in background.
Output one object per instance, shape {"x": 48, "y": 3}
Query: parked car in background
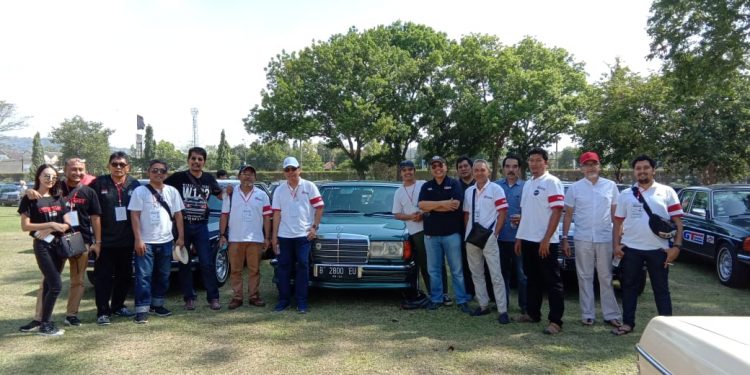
{"x": 717, "y": 228}
{"x": 694, "y": 345}
{"x": 10, "y": 198}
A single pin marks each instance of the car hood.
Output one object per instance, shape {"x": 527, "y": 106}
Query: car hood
{"x": 376, "y": 227}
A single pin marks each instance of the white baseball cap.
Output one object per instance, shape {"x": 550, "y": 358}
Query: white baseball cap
{"x": 180, "y": 254}
{"x": 291, "y": 161}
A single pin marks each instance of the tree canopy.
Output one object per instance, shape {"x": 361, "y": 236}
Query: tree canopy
{"x": 85, "y": 139}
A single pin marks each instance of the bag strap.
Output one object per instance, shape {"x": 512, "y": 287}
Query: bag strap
{"x": 473, "y": 204}
{"x": 638, "y": 195}
{"x": 160, "y": 199}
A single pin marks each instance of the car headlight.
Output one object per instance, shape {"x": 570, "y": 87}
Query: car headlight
{"x": 386, "y": 249}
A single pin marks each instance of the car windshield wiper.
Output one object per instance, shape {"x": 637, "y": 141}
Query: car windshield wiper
{"x": 379, "y": 213}
{"x": 342, "y": 212}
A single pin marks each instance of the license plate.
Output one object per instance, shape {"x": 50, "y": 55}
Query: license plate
{"x": 338, "y": 272}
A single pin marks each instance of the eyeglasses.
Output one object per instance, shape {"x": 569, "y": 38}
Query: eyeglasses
{"x": 196, "y": 158}
{"x": 158, "y": 170}
{"x": 118, "y": 165}
{"x": 290, "y": 169}
{"x": 48, "y": 177}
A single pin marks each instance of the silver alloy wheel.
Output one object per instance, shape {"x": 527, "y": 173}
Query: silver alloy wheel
{"x": 724, "y": 264}
{"x": 222, "y": 265}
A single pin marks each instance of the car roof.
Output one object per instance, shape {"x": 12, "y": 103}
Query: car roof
{"x": 720, "y": 187}
{"x": 361, "y": 183}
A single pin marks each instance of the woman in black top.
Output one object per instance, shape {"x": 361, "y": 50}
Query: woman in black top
{"x": 45, "y": 220}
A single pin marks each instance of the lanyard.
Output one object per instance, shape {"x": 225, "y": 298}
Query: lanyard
{"x": 118, "y": 187}
{"x": 249, "y": 195}
{"x": 411, "y": 196}
{"x": 293, "y": 193}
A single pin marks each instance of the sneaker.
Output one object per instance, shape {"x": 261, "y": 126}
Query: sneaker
{"x": 49, "y": 329}
{"x": 280, "y": 307}
{"x": 433, "y": 306}
{"x": 214, "y": 304}
{"x": 447, "y": 301}
{"x": 33, "y": 326}
{"x": 552, "y": 329}
{"x": 503, "y": 318}
{"x": 189, "y": 304}
{"x": 160, "y": 311}
{"x": 464, "y": 307}
{"x": 72, "y": 321}
{"x": 480, "y": 311}
{"x": 257, "y": 302}
{"x": 525, "y": 318}
{"x": 124, "y": 312}
{"x": 103, "y": 320}
{"x": 302, "y": 310}
{"x": 141, "y": 318}
{"x": 234, "y": 303}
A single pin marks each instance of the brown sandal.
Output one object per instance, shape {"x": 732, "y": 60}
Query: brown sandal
{"x": 614, "y": 323}
{"x": 587, "y": 322}
{"x": 622, "y": 330}
{"x": 552, "y": 329}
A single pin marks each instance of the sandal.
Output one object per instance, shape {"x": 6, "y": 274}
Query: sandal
{"x": 552, "y": 329}
{"x": 587, "y": 322}
{"x": 622, "y": 330}
{"x": 614, "y": 322}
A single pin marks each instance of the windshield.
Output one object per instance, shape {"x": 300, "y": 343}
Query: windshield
{"x": 358, "y": 199}
{"x": 732, "y": 203}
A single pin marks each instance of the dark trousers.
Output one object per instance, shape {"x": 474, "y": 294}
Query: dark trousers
{"x": 113, "y": 273}
{"x": 509, "y": 261}
{"x": 51, "y": 266}
{"x": 543, "y": 274}
{"x": 632, "y": 268}
{"x": 294, "y": 254}
{"x": 197, "y": 236}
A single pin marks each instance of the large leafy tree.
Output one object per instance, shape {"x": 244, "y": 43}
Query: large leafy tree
{"x": 86, "y": 139}
{"x": 167, "y": 151}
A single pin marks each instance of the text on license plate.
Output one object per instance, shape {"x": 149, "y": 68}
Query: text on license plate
{"x": 338, "y": 272}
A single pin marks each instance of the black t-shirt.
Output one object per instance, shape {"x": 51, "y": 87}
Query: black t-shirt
{"x": 84, "y": 201}
{"x": 195, "y": 193}
{"x": 115, "y": 233}
{"x": 443, "y": 223}
{"x": 44, "y": 210}
{"x": 465, "y": 186}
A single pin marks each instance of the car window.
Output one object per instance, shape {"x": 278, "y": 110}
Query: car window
{"x": 732, "y": 203}
{"x": 358, "y": 199}
{"x": 685, "y": 199}
{"x": 700, "y": 204}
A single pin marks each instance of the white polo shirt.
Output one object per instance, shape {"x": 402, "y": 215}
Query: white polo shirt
{"x": 592, "y": 205}
{"x": 297, "y": 207}
{"x": 246, "y": 215}
{"x": 539, "y": 196}
{"x": 662, "y": 200}
{"x": 489, "y": 201}
{"x": 156, "y": 224}
{"x": 406, "y": 201}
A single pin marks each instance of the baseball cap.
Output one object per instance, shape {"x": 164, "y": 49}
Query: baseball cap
{"x": 436, "y": 159}
{"x": 291, "y": 161}
{"x": 588, "y": 156}
{"x": 406, "y": 164}
{"x": 180, "y": 254}
{"x": 242, "y": 168}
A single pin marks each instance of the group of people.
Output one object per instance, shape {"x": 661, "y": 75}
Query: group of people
{"x": 477, "y": 226}
{"x": 480, "y": 227}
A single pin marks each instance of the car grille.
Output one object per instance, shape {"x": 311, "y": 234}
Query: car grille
{"x": 341, "y": 249}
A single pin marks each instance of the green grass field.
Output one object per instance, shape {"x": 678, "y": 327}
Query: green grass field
{"x": 344, "y": 332}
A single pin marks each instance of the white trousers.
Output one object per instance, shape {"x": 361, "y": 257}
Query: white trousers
{"x": 597, "y": 256}
{"x": 476, "y": 258}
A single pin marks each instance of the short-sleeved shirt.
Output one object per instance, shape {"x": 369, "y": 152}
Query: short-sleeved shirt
{"x": 488, "y": 202}
{"x": 661, "y": 199}
{"x": 83, "y": 202}
{"x": 246, "y": 213}
{"x": 592, "y": 204}
{"x": 540, "y": 196}
{"x": 513, "y": 196}
{"x": 43, "y": 210}
{"x": 156, "y": 222}
{"x": 114, "y": 198}
{"x": 406, "y": 201}
{"x": 297, "y": 207}
{"x": 195, "y": 192}
{"x": 443, "y": 223}
{"x": 465, "y": 186}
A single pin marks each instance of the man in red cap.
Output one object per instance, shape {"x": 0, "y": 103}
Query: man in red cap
{"x": 591, "y": 202}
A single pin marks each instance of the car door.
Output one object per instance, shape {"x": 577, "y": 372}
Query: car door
{"x": 697, "y": 222}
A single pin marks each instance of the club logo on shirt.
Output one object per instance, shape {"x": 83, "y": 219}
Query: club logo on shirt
{"x": 536, "y": 192}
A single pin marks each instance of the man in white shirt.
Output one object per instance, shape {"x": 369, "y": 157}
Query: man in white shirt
{"x": 245, "y": 217}
{"x": 591, "y": 202}
{"x": 297, "y": 210}
{"x": 541, "y": 208}
{"x": 154, "y": 208}
{"x": 636, "y": 243}
{"x": 485, "y": 205}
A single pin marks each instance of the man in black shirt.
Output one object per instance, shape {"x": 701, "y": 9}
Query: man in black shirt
{"x": 195, "y": 187}
{"x": 114, "y": 260}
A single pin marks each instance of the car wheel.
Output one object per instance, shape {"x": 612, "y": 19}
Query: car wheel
{"x": 728, "y": 267}
{"x": 221, "y": 262}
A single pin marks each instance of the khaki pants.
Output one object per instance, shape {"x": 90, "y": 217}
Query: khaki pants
{"x": 239, "y": 254}
{"x": 476, "y": 258}
{"x": 597, "y": 256}
{"x": 77, "y": 273}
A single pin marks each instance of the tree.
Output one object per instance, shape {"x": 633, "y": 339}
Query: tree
{"x": 223, "y": 154}
{"x": 85, "y": 139}
{"x": 267, "y": 155}
{"x": 8, "y": 120}
{"x": 37, "y": 156}
{"x": 149, "y": 147}
{"x": 166, "y": 151}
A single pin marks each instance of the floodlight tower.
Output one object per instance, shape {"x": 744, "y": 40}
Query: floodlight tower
{"x": 194, "y": 112}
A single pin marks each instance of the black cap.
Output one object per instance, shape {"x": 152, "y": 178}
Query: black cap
{"x": 406, "y": 164}
{"x": 242, "y": 169}
{"x": 436, "y": 159}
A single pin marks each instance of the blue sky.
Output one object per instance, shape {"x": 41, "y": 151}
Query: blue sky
{"x": 110, "y": 60}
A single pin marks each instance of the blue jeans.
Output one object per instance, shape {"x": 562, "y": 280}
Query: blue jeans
{"x": 632, "y": 268}
{"x": 197, "y": 236}
{"x": 508, "y": 259}
{"x": 152, "y": 276}
{"x": 445, "y": 247}
{"x": 294, "y": 254}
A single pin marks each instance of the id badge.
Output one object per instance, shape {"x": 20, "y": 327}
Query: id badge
{"x": 121, "y": 213}
{"x": 155, "y": 217}
{"x": 247, "y": 216}
{"x": 73, "y": 218}
{"x": 636, "y": 211}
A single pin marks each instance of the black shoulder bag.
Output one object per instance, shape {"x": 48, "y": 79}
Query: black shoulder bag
{"x": 663, "y": 228}
{"x": 479, "y": 234}
{"x": 164, "y": 204}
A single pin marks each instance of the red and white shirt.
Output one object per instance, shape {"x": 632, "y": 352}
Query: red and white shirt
{"x": 662, "y": 200}
{"x": 246, "y": 213}
{"x": 539, "y": 197}
{"x": 297, "y": 207}
{"x": 490, "y": 200}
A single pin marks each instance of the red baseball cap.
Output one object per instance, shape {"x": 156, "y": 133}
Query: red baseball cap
{"x": 588, "y": 156}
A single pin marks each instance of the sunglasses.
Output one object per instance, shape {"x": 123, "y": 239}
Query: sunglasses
{"x": 48, "y": 177}
{"x": 118, "y": 165}
{"x": 436, "y": 165}
{"x": 290, "y": 169}
{"x": 158, "y": 170}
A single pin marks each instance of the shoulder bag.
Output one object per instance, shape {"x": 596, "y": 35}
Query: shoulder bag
{"x": 478, "y": 235}
{"x": 71, "y": 244}
{"x": 663, "y": 228}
